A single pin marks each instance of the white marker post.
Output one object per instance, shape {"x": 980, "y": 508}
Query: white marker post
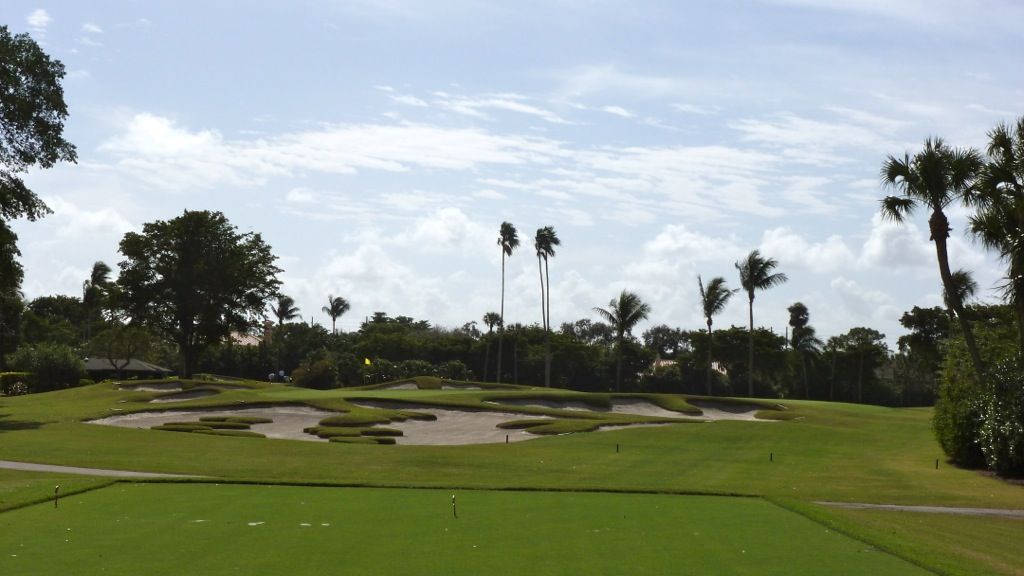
{"x": 455, "y": 512}
{"x": 56, "y": 489}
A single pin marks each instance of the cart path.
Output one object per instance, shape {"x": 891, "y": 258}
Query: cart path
{"x": 30, "y": 467}
{"x": 1001, "y": 512}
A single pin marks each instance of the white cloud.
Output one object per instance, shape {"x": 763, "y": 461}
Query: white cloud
{"x": 618, "y": 111}
{"x": 795, "y": 251}
{"x": 695, "y": 109}
{"x": 476, "y": 106}
{"x": 300, "y": 195}
{"x": 91, "y": 28}
{"x": 38, "y": 20}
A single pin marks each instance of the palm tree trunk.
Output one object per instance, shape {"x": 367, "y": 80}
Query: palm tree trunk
{"x": 803, "y": 365}
{"x": 501, "y": 325}
{"x": 750, "y": 357}
{"x": 939, "y": 226}
{"x": 709, "y": 358}
{"x": 547, "y": 324}
{"x": 1019, "y": 305}
{"x": 618, "y": 369}
{"x": 487, "y": 356}
{"x": 543, "y": 320}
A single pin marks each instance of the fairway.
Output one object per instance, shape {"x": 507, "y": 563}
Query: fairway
{"x": 156, "y": 529}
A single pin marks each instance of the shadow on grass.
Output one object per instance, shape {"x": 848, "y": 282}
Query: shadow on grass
{"x": 12, "y": 425}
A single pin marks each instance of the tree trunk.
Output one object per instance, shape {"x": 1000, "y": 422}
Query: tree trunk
{"x": 543, "y": 321}
{"x": 709, "y": 358}
{"x": 860, "y": 379}
{"x": 501, "y": 325}
{"x": 618, "y": 370}
{"x": 547, "y": 324}
{"x": 939, "y": 226}
{"x": 487, "y": 356}
{"x": 750, "y": 357}
{"x": 803, "y": 366}
{"x": 1019, "y": 305}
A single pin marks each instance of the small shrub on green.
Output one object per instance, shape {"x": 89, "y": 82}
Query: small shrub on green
{"x": 1001, "y": 415}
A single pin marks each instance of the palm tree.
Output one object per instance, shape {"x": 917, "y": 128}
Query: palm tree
{"x": 756, "y": 274}
{"x": 491, "y": 319}
{"x": 545, "y": 242}
{"x": 623, "y": 314}
{"x": 336, "y": 307}
{"x": 999, "y": 222}
{"x": 285, "y": 309}
{"x": 94, "y": 291}
{"x": 508, "y": 240}
{"x": 935, "y": 178}
{"x": 713, "y": 300}
{"x": 806, "y": 343}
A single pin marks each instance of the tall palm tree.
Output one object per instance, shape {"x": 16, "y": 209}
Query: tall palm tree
{"x": 336, "y": 307}
{"x": 508, "y": 240}
{"x": 935, "y": 178}
{"x": 806, "y": 344}
{"x": 713, "y": 300}
{"x": 999, "y": 221}
{"x": 285, "y": 309}
{"x": 623, "y": 314}
{"x": 491, "y": 319}
{"x": 756, "y": 274}
{"x": 545, "y": 242}
{"x": 94, "y": 291}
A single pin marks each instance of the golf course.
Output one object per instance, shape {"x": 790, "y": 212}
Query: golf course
{"x": 269, "y": 479}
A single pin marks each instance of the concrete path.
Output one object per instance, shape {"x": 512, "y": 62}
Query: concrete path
{"x": 1001, "y": 512}
{"x": 29, "y": 467}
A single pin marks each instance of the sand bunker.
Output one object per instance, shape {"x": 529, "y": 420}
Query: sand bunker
{"x": 183, "y": 396}
{"x": 460, "y": 387}
{"x": 724, "y": 411}
{"x": 153, "y": 387}
{"x": 406, "y": 386}
{"x": 288, "y": 421}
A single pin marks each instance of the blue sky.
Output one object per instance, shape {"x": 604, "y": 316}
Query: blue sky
{"x": 378, "y": 145}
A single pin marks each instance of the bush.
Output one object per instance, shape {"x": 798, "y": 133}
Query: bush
{"x": 321, "y": 375}
{"x": 52, "y": 366}
{"x": 14, "y": 383}
{"x": 1001, "y": 414}
{"x": 453, "y": 370}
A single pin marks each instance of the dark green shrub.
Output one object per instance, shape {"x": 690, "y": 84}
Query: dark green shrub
{"x": 321, "y": 375}
{"x": 239, "y": 419}
{"x": 1001, "y": 412}
{"x": 331, "y": 432}
{"x": 236, "y": 433}
{"x": 52, "y": 366}
{"x": 453, "y": 370}
{"x": 181, "y": 427}
{"x": 354, "y": 420}
{"x": 413, "y": 368}
{"x": 14, "y": 383}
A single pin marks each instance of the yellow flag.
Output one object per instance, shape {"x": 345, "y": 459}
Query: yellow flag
{"x": 367, "y": 361}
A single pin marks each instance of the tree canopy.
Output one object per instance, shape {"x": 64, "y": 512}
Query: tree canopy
{"x": 195, "y": 279}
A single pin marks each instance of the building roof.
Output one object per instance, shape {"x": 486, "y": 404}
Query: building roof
{"x": 133, "y": 365}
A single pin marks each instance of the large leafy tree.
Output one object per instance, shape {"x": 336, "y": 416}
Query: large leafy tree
{"x": 32, "y": 114}
{"x": 94, "y": 294}
{"x": 756, "y": 273}
{"x": 545, "y": 242}
{"x": 934, "y": 179}
{"x": 336, "y": 307}
{"x": 623, "y": 314}
{"x": 999, "y": 221}
{"x": 195, "y": 278}
{"x": 508, "y": 241}
{"x": 713, "y": 299}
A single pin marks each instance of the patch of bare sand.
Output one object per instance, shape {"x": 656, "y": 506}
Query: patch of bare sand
{"x": 637, "y": 407}
{"x": 460, "y": 387}
{"x": 406, "y": 386}
{"x": 183, "y": 396}
{"x": 288, "y": 421}
{"x": 724, "y": 411}
{"x": 152, "y": 387}
{"x": 457, "y": 427}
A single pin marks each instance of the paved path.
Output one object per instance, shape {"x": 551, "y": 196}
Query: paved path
{"x": 12, "y": 465}
{"x": 1002, "y": 512}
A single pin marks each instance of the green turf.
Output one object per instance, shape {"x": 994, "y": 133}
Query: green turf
{"x": 204, "y": 529}
{"x": 821, "y": 451}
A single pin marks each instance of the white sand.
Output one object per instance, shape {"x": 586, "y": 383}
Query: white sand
{"x": 722, "y": 411}
{"x": 638, "y": 407}
{"x": 288, "y": 420}
{"x": 406, "y": 386}
{"x": 459, "y": 387}
{"x": 153, "y": 387}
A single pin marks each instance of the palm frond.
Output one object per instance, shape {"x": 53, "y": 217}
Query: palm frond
{"x": 897, "y": 208}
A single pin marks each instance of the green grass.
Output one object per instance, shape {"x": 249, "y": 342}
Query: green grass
{"x": 819, "y": 451}
{"x": 205, "y": 529}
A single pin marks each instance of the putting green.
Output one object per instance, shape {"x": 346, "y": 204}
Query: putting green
{"x": 157, "y": 529}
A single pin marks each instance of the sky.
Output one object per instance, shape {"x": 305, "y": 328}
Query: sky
{"x": 377, "y": 146}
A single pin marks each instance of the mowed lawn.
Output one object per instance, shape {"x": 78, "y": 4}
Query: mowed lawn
{"x": 153, "y": 529}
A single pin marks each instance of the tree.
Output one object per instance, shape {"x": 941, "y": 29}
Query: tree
{"x": 756, "y": 274}
{"x": 195, "y": 278}
{"x": 713, "y": 300}
{"x": 545, "y": 242}
{"x": 935, "y": 178}
{"x": 285, "y": 309}
{"x": 491, "y": 319}
{"x": 806, "y": 344}
{"x": 508, "y": 240}
{"x": 94, "y": 292}
{"x": 999, "y": 221}
{"x": 623, "y": 314}
{"x": 336, "y": 307}
{"x": 118, "y": 345}
{"x": 32, "y": 114}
